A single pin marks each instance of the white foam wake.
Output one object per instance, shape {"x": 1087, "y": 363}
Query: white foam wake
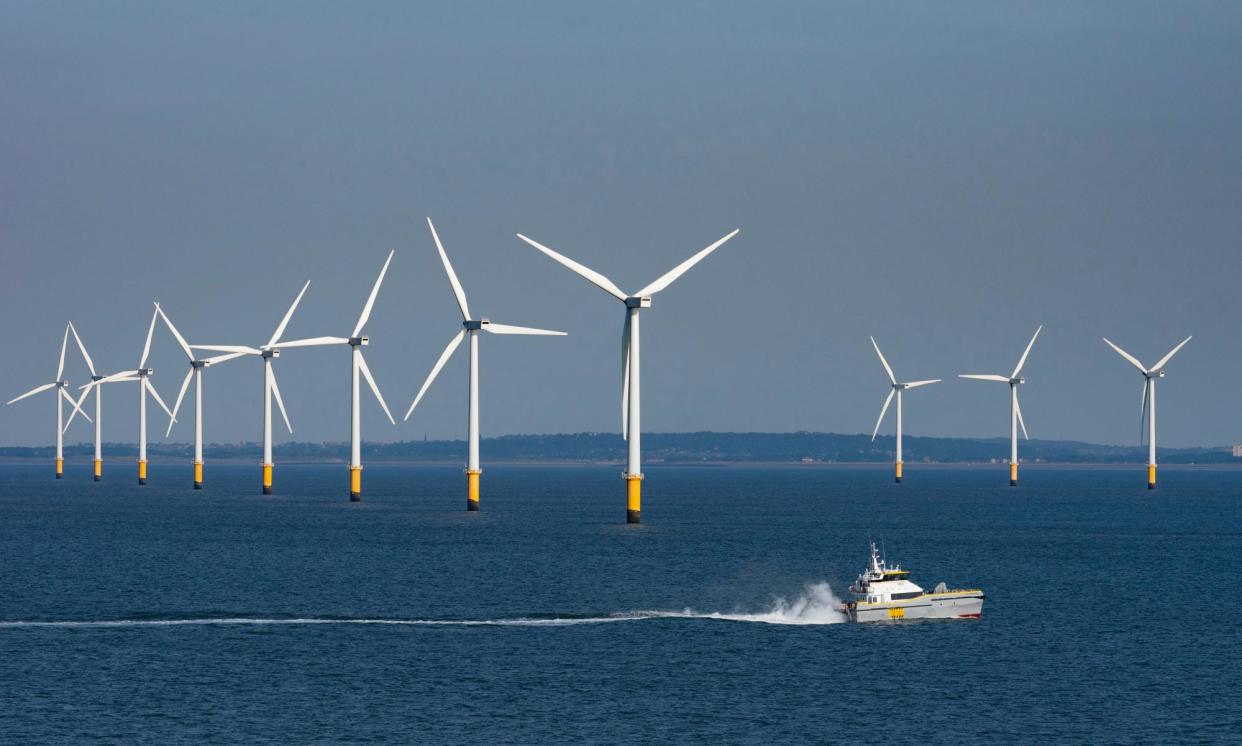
{"x": 816, "y": 605}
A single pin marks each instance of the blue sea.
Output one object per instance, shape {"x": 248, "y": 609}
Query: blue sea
{"x": 164, "y": 615}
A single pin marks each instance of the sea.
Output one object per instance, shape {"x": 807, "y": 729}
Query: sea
{"x": 159, "y": 614}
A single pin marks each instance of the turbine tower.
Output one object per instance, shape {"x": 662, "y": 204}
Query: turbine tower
{"x": 631, "y": 426}
{"x": 61, "y": 397}
{"x": 196, "y": 372}
{"x": 896, "y": 390}
{"x": 1148, "y": 410}
{"x": 1015, "y": 411}
{"x": 471, "y": 330}
{"x": 267, "y": 352}
{"x": 358, "y": 365}
{"x": 142, "y": 375}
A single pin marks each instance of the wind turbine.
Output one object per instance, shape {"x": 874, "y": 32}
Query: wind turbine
{"x": 631, "y": 426}
{"x": 471, "y": 330}
{"x": 61, "y": 397}
{"x": 1148, "y": 409}
{"x": 1015, "y": 411}
{"x": 358, "y": 364}
{"x": 88, "y": 388}
{"x": 142, "y": 375}
{"x": 896, "y": 390}
{"x": 270, "y": 388}
{"x": 196, "y": 372}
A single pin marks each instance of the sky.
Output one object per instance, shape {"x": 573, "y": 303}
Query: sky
{"x": 946, "y": 177}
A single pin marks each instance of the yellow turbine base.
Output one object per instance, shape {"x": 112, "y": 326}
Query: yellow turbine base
{"x": 472, "y": 489}
{"x": 98, "y": 469}
{"x": 898, "y": 471}
{"x": 267, "y": 479}
{"x": 355, "y": 483}
{"x": 198, "y": 475}
{"x": 142, "y": 472}
{"x": 60, "y": 468}
{"x": 634, "y": 498}
{"x": 1013, "y": 474}
{"x": 1151, "y": 476}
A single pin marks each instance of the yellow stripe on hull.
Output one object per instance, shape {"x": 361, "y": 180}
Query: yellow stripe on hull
{"x": 634, "y": 498}
{"x": 1151, "y": 476}
{"x": 355, "y": 483}
{"x": 472, "y": 489}
{"x": 1013, "y": 473}
{"x": 60, "y": 468}
{"x": 198, "y": 475}
{"x": 267, "y": 479}
{"x": 98, "y": 469}
{"x": 142, "y": 472}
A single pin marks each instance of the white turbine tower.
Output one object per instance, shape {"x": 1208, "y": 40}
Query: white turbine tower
{"x": 631, "y": 426}
{"x": 358, "y": 365}
{"x": 896, "y": 390}
{"x": 471, "y": 330}
{"x": 142, "y": 375}
{"x": 61, "y": 397}
{"x": 88, "y": 388}
{"x": 270, "y": 388}
{"x": 1015, "y": 411}
{"x": 1148, "y": 410}
{"x": 196, "y": 372}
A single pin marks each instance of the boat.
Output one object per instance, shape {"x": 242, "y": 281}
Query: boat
{"x": 884, "y": 593}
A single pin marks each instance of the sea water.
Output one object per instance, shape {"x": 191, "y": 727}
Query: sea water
{"x": 162, "y": 614}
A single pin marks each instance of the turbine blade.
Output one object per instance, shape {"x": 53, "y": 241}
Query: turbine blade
{"x": 457, "y": 289}
{"x": 506, "y": 329}
{"x": 124, "y": 375}
{"x": 228, "y": 348}
{"x": 146, "y": 348}
{"x": 589, "y": 274}
{"x": 280, "y": 329}
{"x": 1164, "y": 360}
{"x": 280, "y": 403}
{"x": 1018, "y": 408}
{"x": 222, "y": 358}
{"x": 366, "y": 310}
{"x": 33, "y": 391}
{"x": 883, "y": 411}
{"x": 681, "y": 269}
{"x": 146, "y": 382}
{"x": 89, "y": 363}
{"x": 1143, "y": 412}
{"x": 185, "y": 384}
{"x": 625, "y": 377}
{"x": 983, "y": 377}
{"x": 887, "y": 368}
{"x": 313, "y": 342}
{"x": 435, "y": 371}
{"x": 916, "y": 384}
{"x": 60, "y": 367}
{"x": 77, "y": 407}
{"x": 1133, "y": 360}
{"x": 1029, "y": 345}
{"x": 185, "y": 347}
{"x": 366, "y": 373}
{"x": 74, "y": 404}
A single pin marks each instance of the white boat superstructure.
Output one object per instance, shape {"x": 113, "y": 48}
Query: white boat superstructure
{"x": 884, "y": 592}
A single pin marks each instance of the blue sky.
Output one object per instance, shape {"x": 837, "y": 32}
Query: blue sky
{"x": 945, "y": 177}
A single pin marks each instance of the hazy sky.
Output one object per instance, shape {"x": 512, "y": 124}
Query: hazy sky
{"x": 944, "y": 176}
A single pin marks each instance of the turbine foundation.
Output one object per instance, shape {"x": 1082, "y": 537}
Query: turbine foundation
{"x": 355, "y": 484}
{"x": 898, "y": 478}
{"x": 60, "y": 468}
{"x": 472, "y": 489}
{"x": 634, "y": 498}
{"x": 142, "y": 471}
{"x": 1151, "y": 476}
{"x": 1013, "y": 474}
{"x": 267, "y": 479}
{"x": 98, "y": 469}
{"x": 198, "y": 475}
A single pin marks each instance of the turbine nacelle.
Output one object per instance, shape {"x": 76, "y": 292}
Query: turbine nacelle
{"x": 1017, "y": 381}
{"x": 144, "y": 372}
{"x": 475, "y": 324}
{"x": 359, "y": 341}
{"x": 635, "y": 301}
{"x": 269, "y": 353}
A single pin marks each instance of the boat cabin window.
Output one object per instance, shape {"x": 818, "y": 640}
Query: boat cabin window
{"x": 911, "y": 594}
{"x": 896, "y": 575}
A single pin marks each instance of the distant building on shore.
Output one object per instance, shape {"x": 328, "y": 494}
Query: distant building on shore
{"x": 1237, "y": 451}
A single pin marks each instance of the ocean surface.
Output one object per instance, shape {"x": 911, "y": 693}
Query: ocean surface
{"x": 164, "y": 615}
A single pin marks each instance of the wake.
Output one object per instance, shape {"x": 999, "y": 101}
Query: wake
{"x": 817, "y": 605}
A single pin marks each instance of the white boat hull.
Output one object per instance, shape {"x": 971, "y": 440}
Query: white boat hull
{"x": 952, "y": 605}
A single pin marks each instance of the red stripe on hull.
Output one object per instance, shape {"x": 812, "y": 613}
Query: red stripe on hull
{"x": 968, "y": 616}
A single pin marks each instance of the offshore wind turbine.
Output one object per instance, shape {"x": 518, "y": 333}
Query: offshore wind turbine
{"x": 61, "y": 397}
{"x": 896, "y": 390}
{"x": 267, "y": 352}
{"x": 142, "y": 375}
{"x": 1015, "y": 411}
{"x": 88, "y": 388}
{"x": 196, "y": 372}
{"x": 358, "y": 365}
{"x": 631, "y": 426}
{"x": 1148, "y": 410}
{"x": 471, "y": 329}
